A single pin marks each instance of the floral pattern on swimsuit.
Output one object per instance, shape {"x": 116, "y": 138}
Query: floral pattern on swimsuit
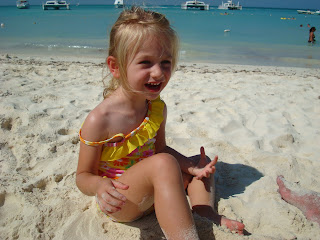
{"x": 116, "y": 168}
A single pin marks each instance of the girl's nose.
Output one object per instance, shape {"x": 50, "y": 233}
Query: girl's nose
{"x": 156, "y": 72}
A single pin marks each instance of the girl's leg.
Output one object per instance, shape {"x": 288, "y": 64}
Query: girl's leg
{"x": 202, "y": 199}
{"x": 158, "y": 178}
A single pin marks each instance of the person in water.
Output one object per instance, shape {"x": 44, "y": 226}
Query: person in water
{"x": 124, "y": 160}
{"x": 311, "y": 35}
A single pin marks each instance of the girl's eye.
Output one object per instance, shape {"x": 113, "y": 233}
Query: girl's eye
{"x": 145, "y": 62}
{"x": 166, "y": 63}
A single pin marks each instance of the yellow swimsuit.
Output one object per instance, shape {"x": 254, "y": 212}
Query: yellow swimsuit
{"x": 117, "y": 157}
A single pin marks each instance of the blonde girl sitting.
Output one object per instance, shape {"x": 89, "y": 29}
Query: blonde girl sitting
{"x": 124, "y": 160}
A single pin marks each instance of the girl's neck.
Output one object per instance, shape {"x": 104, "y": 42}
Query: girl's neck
{"x": 133, "y": 101}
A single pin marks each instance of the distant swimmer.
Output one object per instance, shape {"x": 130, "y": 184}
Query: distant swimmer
{"x": 311, "y": 35}
{"x": 227, "y": 30}
{"x": 2, "y": 25}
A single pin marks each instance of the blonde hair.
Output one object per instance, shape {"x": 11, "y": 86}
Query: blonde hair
{"x": 127, "y": 35}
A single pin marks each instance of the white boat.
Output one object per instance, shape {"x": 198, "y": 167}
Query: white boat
{"x": 308, "y": 12}
{"x": 118, "y": 3}
{"x": 230, "y": 6}
{"x": 56, "y": 5}
{"x": 194, "y": 5}
{"x": 22, "y": 4}
{"x": 304, "y": 11}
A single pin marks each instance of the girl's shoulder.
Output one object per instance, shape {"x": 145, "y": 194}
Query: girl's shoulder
{"x": 96, "y": 125}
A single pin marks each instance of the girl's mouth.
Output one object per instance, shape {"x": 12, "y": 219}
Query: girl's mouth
{"x": 154, "y": 87}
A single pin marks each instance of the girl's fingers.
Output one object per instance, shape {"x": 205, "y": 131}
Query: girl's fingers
{"x": 114, "y": 193}
{"x": 109, "y": 209}
{"x": 109, "y": 199}
{"x": 202, "y": 153}
{"x": 214, "y": 161}
{"x": 105, "y": 206}
{"x": 119, "y": 185}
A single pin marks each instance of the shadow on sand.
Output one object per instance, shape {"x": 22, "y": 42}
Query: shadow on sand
{"x": 232, "y": 179}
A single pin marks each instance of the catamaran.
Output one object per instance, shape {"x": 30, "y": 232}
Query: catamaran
{"x": 230, "y": 6}
{"x": 55, "y": 5}
{"x": 194, "y": 5}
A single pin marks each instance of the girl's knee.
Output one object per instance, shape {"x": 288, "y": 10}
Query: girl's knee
{"x": 166, "y": 169}
{"x": 166, "y": 161}
{"x": 165, "y": 165}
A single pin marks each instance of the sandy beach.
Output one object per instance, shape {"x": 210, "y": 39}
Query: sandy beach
{"x": 261, "y": 121}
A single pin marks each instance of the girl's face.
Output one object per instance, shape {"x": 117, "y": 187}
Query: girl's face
{"x": 149, "y": 70}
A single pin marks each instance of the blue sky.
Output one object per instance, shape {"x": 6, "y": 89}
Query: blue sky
{"x": 297, "y": 4}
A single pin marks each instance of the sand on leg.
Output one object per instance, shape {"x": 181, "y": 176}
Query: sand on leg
{"x": 159, "y": 178}
{"x": 306, "y": 200}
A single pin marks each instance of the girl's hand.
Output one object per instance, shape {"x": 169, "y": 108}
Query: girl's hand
{"x": 204, "y": 167}
{"x": 108, "y": 198}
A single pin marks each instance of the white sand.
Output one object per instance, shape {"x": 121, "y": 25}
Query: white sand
{"x": 261, "y": 121}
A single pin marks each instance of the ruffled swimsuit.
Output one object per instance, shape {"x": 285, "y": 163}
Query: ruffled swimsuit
{"x": 117, "y": 157}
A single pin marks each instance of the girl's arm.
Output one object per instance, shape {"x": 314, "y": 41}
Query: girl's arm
{"x": 87, "y": 178}
{"x": 200, "y": 169}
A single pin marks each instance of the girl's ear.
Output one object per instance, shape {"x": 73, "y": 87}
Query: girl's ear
{"x": 113, "y": 66}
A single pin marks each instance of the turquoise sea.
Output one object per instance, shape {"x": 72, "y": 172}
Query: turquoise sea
{"x": 257, "y": 36}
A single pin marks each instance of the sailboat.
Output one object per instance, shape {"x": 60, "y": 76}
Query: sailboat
{"x": 118, "y": 3}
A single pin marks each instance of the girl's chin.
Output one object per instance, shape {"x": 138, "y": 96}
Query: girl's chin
{"x": 152, "y": 97}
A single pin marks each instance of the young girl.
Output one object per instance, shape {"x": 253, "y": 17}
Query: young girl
{"x": 124, "y": 160}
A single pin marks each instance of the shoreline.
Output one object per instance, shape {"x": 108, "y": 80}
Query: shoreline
{"x": 101, "y": 59}
{"x": 261, "y": 121}
{"x": 188, "y": 54}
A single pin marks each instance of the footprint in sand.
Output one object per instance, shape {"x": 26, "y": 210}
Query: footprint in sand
{"x": 282, "y": 142}
{"x": 6, "y": 122}
{"x": 47, "y": 183}
{"x": 231, "y": 126}
{"x": 64, "y": 131}
{"x": 10, "y": 203}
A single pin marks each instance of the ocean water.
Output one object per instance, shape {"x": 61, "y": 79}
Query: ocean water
{"x": 257, "y": 36}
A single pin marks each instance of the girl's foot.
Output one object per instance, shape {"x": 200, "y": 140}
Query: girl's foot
{"x": 232, "y": 225}
{"x": 208, "y": 212}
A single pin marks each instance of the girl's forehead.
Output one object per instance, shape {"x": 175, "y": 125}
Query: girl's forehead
{"x": 153, "y": 50}
{"x": 155, "y": 45}
{"x": 156, "y": 40}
